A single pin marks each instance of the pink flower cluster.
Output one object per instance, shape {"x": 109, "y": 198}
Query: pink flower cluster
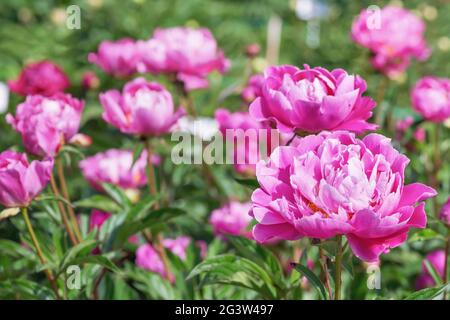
{"x": 47, "y": 123}
{"x": 116, "y": 167}
{"x": 43, "y": 77}
{"x": 335, "y": 184}
{"x": 394, "y": 37}
{"x": 143, "y": 108}
{"x": 190, "y": 54}
{"x": 431, "y": 98}
{"x": 312, "y": 100}
{"x": 232, "y": 219}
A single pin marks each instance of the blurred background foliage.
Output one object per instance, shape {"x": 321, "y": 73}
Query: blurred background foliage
{"x": 34, "y": 30}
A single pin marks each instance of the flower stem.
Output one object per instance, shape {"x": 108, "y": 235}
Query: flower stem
{"x": 338, "y": 272}
{"x": 48, "y": 273}
{"x": 65, "y": 193}
{"x": 62, "y": 211}
{"x": 325, "y": 275}
{"x": 447, "y": 253}
{"x": 153, "y": 191}
{"x": 436, "y": 165}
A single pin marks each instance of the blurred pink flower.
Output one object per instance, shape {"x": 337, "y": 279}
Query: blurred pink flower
{"x": 246, "y": 143}
{"x": 335, "y": 184}
{"x": 420, "y": 134}
{"x": 437, "y": 260}
{"x": 232, "y": 219}
{"x": 21, "y": 181}
{"x": 313, "y": 100}
{"x": 395, "y": 38}
{"x": 47, "y": 123}
{"x": 190, "y": 53}
{"x": 114, "y": 166}
{"x": 445, "y": 213}
{"x": 118, "y": 58}
{"x": 253, "y": 88}
{"x": 43, "y": 77}
{"x": 143, "y": 108}
{"x": 431, "y": 98}
{"x": 404, "y": 124}
{"x": 90, "y": 80}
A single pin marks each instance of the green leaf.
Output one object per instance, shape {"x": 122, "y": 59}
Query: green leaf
{"x": 142, "y": 207}
{"x": 98, "y": 202}
{"x": 237, "y": 271}
{"x": 71, "y": 149}
{"x": 155, "y": 218}
{"x": 312, "y": 278}
{"x": 434, "y": 274}
{"x": 423, "y": 235}
{"x": 45, "y": 198}
{"x": 117, "y": 194}
{"x": 250, "y": 183}
{"x": 137, "y": 152}
{"x": 99, "y": 260}
{"x": 427, "y": 294}
{"x": 80, "y": 250}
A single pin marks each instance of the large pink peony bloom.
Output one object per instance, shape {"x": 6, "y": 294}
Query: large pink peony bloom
{"x": 437, "y": 260}
{"x": 431, "y": 98}
{"x": 394, "y": 39}
{"x": 248, "y": 136}
{"x": 335, "y": 184}
{"x": 231, "y": 219}
{"x": 21, "y": 181}
{"x": 190, "y": 53}
{"x": 143, "y": 108}
{"x": 43, "y": 77}
{"x": 118, "y": 58}
{"x": 313, "y": 100}
{"x": 115, "y": 167}
{"x": 46, "y": 123}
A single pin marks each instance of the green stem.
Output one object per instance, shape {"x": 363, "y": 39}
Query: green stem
{"x": 337, "y": 278}
{"x": 447, "y": 252}
{"x": 436, "y": 165}
{"x": 65, "y": 193}
{"x": 34, "y": 239}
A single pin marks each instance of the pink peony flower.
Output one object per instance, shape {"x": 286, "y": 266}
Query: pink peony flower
{"x": 445, "y": 213}
{"x": 420, "y": 135}
{"x": 118, "y": 58}
{"x": 43, "y": 77}
{"x": 437, "y": 260}
{"x": 144, "y": 108}
{"x": 115, "y": 167}
{"x": 394, "y": 38}
{"x": 190, "y": 53}
{"x": 152, "y": 56}
{"x": 248, "y": 135}
{"x": 431, "y": 98}
{"x": 313, "y": 100}
{"x": 21, "y": 181}
{"x": 253, "y": 88}
{"x": 231, "y": 219}
{"x": 46, "y": 123}
{"x": 335, "y": 184}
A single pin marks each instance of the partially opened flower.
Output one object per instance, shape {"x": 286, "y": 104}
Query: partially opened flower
{"x": 437, "y": 260}
{"x": 232, "y": 219}
{"x": 43, "y": 77}
{"x": 312, "y": 100}
{"x": 116, "y": 167}
{"x": 118, "y": 58}
{"x": 190, "y": 53}
{"x": 21, "y": 181}
{"x": 47, "y": 123}
{"x": 248, "y": 137}
{"x": 394, "y": 37}
{"x": 335, "y": 184}
{"x": 431, "y": 98}
{"x": 143, "y": 108}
